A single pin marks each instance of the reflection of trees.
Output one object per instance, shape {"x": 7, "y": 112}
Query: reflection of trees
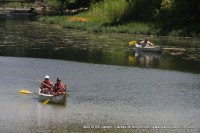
{"x": 46, "y": 42}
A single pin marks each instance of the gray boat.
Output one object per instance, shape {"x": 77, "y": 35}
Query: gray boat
{"x": 59, "y": 99}
{"x": 155, "y": 48}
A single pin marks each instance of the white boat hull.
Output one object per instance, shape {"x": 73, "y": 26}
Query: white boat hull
{"x": 60, "y": 99}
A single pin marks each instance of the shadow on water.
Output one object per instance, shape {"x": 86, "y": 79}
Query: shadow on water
{"x": 27, "y": 39}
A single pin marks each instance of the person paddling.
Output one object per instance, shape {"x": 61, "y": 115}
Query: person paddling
{"x": 59, "y": 88}
{"x": 46, "y": 86}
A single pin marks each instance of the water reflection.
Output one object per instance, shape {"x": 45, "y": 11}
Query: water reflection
{"x": 147, "y": 59}
{"x": 28, "y": 39}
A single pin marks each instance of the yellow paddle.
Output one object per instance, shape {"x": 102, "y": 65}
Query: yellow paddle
{"x": 25, "y": 91}
{"x": 46, "y": 101}
{"x": 132, "y": 42}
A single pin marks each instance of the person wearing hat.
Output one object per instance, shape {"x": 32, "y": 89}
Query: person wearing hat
{"x": 59, "y": 88}
{"x": 46, "y": 86}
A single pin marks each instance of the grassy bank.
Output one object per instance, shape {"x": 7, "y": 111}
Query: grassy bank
{"x": 103, "y": 17}
{"x": 108, "y": 16}
{"x": 83, "y": 23}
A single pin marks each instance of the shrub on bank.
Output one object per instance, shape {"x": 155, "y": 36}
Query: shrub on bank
{"x": 125, "y": 16}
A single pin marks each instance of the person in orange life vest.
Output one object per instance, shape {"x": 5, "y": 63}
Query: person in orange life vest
{"x": 46, "y": 86}
{"x": 59, "y": 88}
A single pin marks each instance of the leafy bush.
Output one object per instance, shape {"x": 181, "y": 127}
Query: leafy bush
{"x": 107, "y": 10}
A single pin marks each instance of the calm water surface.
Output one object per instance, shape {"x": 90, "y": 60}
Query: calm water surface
{"x": 26, "y": 39}
{"x": 109, "y": 87}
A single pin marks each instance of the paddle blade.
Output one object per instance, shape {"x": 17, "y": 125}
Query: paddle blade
{"x": 132, "y": 42}
{"x": 46, "y": 101}
{"x": 25, "y": 91}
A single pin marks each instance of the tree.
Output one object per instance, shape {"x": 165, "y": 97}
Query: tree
{"x": 86, "y": 3}
{"x": 188, "y": 11}
{"x": 142, "y": 10}
{"x": 57, "y": 4}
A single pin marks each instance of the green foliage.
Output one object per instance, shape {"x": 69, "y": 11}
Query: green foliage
{"x": 54, "y": 4}
{"x": 145, "y": 9}
{"x": 93, "y": 26}
{"x": 167, "y": 5}
{"x": 167, "y": 10}
{"x": 57, "y": 4}
{"x": 142, "y": 10}
{"x": 160, "y": 17}
{"x": 108, "y": 10}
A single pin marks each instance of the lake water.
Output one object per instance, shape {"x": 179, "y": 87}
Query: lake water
{"x": 27, "y": 39}
{"x": 110, "y": 89}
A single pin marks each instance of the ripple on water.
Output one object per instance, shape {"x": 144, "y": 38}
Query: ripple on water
{"x": 99, "y": 95}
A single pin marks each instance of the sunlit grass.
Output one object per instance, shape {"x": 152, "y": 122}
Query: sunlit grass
{"x": 84, "y": 23}
{"x": 102, "y": 17}
{"x": 107, "y": 10}
{"x": 106, "y": 16}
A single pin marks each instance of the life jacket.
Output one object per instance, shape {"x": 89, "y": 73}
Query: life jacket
{"x": 57, "y": 87}
{"x": 48, "y": 82}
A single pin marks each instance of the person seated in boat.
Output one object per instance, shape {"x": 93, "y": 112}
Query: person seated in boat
{"x": 59, "y": 88}
{"x": 46, "y": 86}
{"x": 146, "y": 43}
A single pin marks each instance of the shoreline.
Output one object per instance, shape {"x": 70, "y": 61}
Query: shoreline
{"x": 125, "y": 34}
{"x": 6, "y": 13}
{"x": 99, "y": 27}
{"x": 17, "y": 12}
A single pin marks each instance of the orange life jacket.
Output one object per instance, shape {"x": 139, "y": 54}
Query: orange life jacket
{"x": 48, "y": 82}
{"x": 57, "y": 87}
